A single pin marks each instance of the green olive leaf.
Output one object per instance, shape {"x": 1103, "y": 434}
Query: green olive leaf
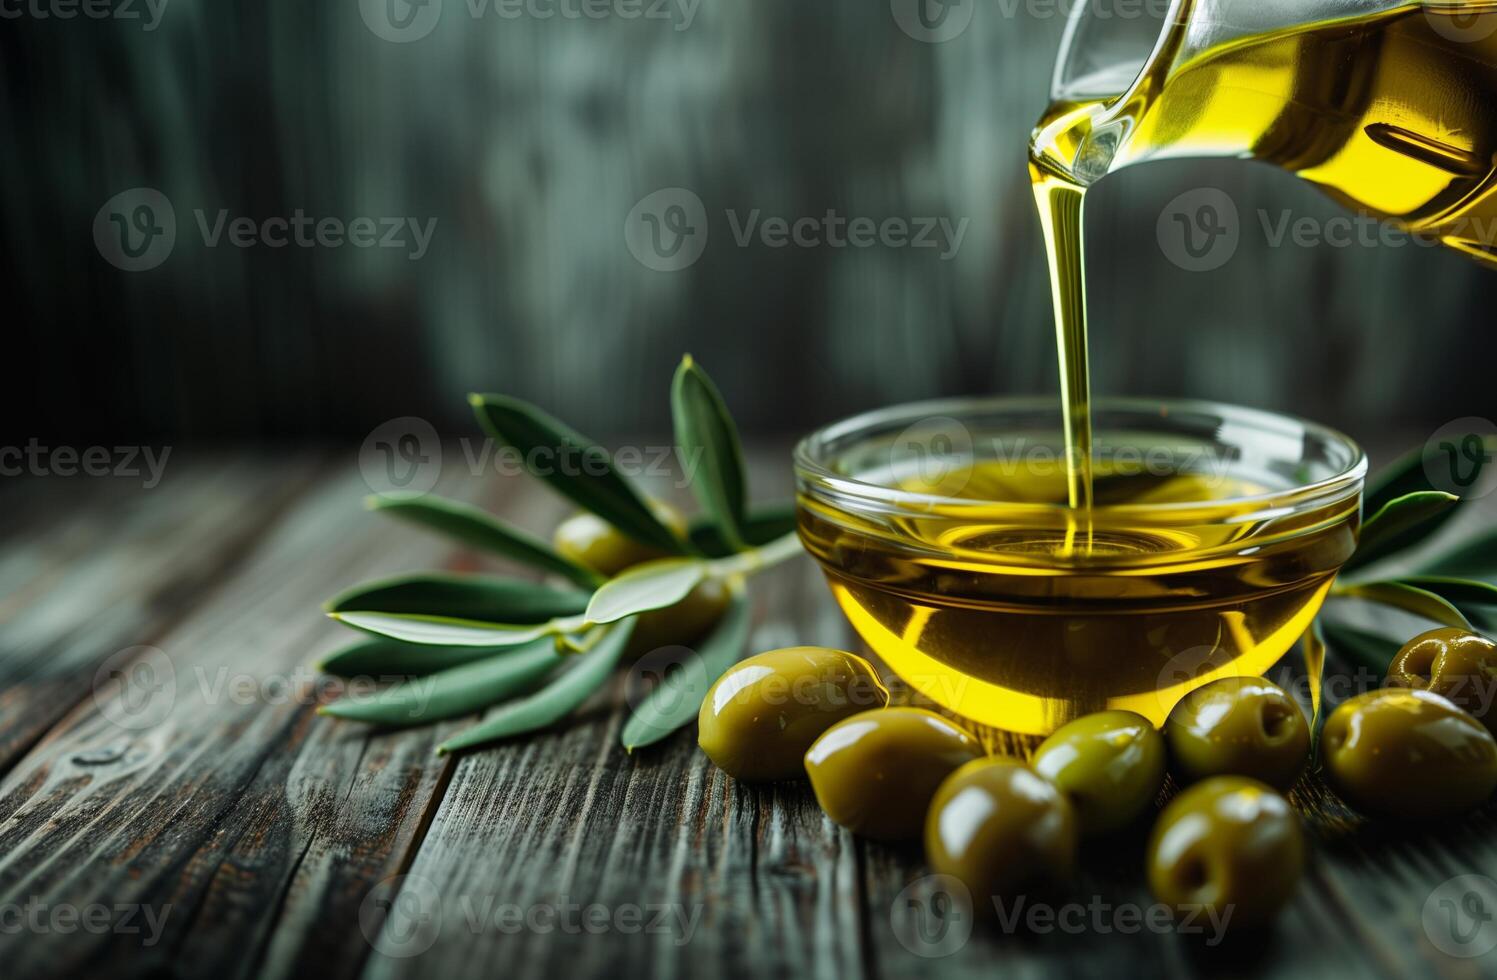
{"x": 1399, "y": 523}
{"x": 1476, "y": 559}
{"x": 762, "y": 526}
{"x": 1421, "y": 602}
{"x": 453, "y": 692}
{"x": 653, "y": 585}
{"x": 706, "y": 437}
{"x": 1460, "y": 591}
{"x": 447, "y": 631}
{"x": 574, "y": 466}
{"x": 477, "y": 529}
{"x": 677, "y": 698}
{"x": 562, "y": 695}
{"x": 1405, "y": 477}
{"x": 1476, "y": 600}
{"x": 1408, "y": 474}
{"x": 463, "y": 597}
{"x": 380, "y": 656}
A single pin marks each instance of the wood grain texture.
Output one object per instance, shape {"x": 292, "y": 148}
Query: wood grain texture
{"x": 251, "y": 827}
{"x": 97, "y": 566}
{"x": 278, "y": 843}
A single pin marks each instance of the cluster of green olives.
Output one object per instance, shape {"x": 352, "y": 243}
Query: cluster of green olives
{"x": 824, "y": 714}
{"x": 1229, "y": 842}
{"x": 592, "y": 542}
{"x": 1422, "y": 748}
{"x": 1004, "y": 827}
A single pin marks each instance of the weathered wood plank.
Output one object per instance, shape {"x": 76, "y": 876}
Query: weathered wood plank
{"x": 100, "y": 565}
{"x": 251, "y": 826}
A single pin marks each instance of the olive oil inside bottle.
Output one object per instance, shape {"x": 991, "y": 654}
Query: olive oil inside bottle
{"x": 1392, "y": 113}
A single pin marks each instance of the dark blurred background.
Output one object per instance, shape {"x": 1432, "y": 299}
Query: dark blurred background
{"x": 529, "y": 140}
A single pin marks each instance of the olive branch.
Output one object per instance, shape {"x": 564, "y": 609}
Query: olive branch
{"x": 539, "y": 650}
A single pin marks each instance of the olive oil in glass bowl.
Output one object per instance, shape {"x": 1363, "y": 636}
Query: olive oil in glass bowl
{"x": 945, "y": 532}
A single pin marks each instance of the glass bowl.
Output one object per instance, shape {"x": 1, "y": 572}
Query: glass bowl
{"x": 944, "y": 532}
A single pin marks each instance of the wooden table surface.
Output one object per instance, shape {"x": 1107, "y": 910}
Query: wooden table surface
{"x": 223, "y": 829}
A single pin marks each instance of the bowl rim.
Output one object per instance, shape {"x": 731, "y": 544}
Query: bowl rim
{"x": 812, "y": 472}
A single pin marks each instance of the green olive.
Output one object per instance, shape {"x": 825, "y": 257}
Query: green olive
{"x": 1457, "y": 665}
{"x": 592, "y": 542}
{"x": 686, "y": 621}
{"x": 1238, "y": 726}
{"x": 1230, "y": 845}
{"x": 758, "y": 720}
{"x": 875, "y": 773}
{"x": 1002, "y": 830}
{"x": 1411, "y": 755}
{"x": 1110, "y": 765}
